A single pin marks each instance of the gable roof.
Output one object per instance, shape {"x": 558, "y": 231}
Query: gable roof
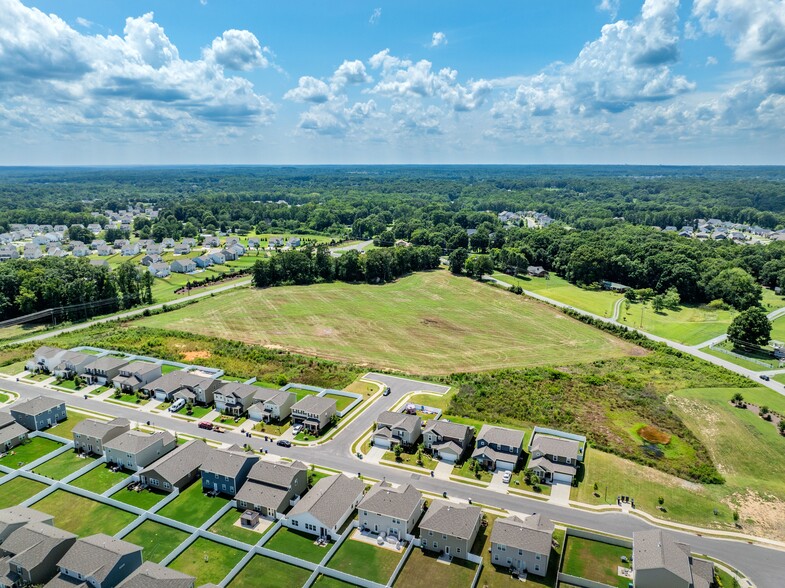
{"x": 315, "y": 404}
{"x": 501, "y": 436}
{"x": 153, "y": 575}
{"x": 655, "y": 549}
{"x": 20, "y": 515}
{"x": 399, "y": 420}
{"x": 330, "y": 499}
{"x": 47, "y": 352}
{"x": 96, "y": 555}
{"x": 140, "y": 367}
{"x": 533, "y": 534}
{"x": 37, "y": 405}
{"x": 226, "y": 462}
{"x": 276, "y": 473}
{"x": 449, "y": 518}
{"x": 555, "y": 446}
{"x": 551, "y": 466}
{"x": 108, "y": 362}
{"x": 177, "y": 379}
{"x": 449, "y": 429}
{"x": 398, "y": 502}
{"x": 98, "y": 429}
{"x": 33, "y": 542}
{"x": 178, "y": 463}
{"x": 136, "y": 441}
{"x": 237, "y": 389}
{"x": 271, "y": 395}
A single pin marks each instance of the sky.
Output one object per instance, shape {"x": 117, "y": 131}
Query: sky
{"x": 113, "y": 82}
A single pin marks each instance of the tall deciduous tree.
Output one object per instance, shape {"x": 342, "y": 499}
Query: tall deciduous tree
{"x": 750, "y": 326}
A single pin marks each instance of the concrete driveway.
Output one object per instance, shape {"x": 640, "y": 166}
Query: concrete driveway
{"x": 560, "y": 493}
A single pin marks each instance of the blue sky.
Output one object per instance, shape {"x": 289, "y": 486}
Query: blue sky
{"x": 556, "y": 81}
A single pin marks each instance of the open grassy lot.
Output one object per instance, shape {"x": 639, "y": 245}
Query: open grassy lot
{"x": 13, "y": 368}
{"x": 83, "y": 516}
{"x": 65, "y": 429}
{"x": 366, "y": 561}
{"x": 273, "y": 573}
{"x": 425, "y": 323}
{"x": 599, "y": 302}
{"x": 690, "y": 324}
{"x": 18, "y": 490}
{"x": 99, "y": 479}
{"x": 595, "y": 561}
{"x": 341, "y": 402}
{"x": 28, "y": 452}
{"x": 422, "y": 570}
{"x": 156, "y": 540}
{"x": 297, "y": 544}
{"x": 766, "y": 358}
{"x": 63, "y": 465}
{"x": 225, "y": 526}
{"x": 207, "y": 561}
{"x": 144, "y": 499}
{"x": 192, "y": 507}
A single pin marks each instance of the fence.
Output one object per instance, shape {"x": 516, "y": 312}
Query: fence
{"x": 610, "y": 540}
{"x": 714, "y": 347}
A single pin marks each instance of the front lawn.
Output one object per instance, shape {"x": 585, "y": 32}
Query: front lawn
{"x": 83, "y": 516}
{"x": 424, "y": 571}
{"x": 365, "y": 560}
{"x": 411, "y": 459}
{"x": 464, "y": 470}
{"x": 298, "y": 544}
{"x": 39, "y": 377}
{"x": 156, "y": 540}
{"x": 4, "y": 398}
{"x": 144, "y": 499}
{"x": 229, "y": 420}
{"x": 69, "y": 384}
{"x": 63, "y": 465}
{"x": 596, "y": 561}
{"x": 192, "y": 506}
{"x": 270, "y": 573}
{"x": 100, "y": 479}
{"x": 29, "y": 452}
{"x": 129, "y": 399}
{"x": 273, "y": 429}
{"x": 18, "y": 490}
{"x": 207, "y": 561}
{"x": 198, "y": 411}
{"x": 225, "y": 526}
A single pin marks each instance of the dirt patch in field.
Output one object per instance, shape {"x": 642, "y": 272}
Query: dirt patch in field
{"x": 192, "y": 355}
{"x": 325, "y": 332}
{"x": 759, "y": 514}
{"x": 652, "y": 434}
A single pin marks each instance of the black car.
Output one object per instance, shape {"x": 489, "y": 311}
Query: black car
{"x": 764, "y": 377}
{"x": 284, "y": 443}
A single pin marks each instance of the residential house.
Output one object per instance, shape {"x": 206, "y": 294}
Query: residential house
{"x": 55, "y": 251}
{"x": 90, "y": 434}
{"x": 73, "y": 363}
{"x": 190, "y": 387}
{"x": 522, "y": 545}
{"x": 270, "y": 405}
{"x": 660, "y": 561}
{"x": 314, "y": 413}
{"x": 159, "y": 269}
{"x": 16, "y": 517}
{"x": 45, "y": 359}
{"x": 203, "y": 261}
{"x": 450, "y": 528}
{"x": 29, "y": 555}
{"x": 176, "y": 469}
{"x": 237, "y": 249}
{"x": 11, "y": 432}
{"x": 447, "y": 441}
{"x": 210, "y": 241}
{"x": 189, "y": 241}
{"x": 275, "y": 242}
{"x": 392, "y": 511}
{"x": 554, "y": 459}
{"x": 154, "y": 249}
{"x": 228, "y": 255}
{"x": 272, "y": 487}
{"x": 537, "y": 271}
{"x": 182, "y": 249}
{"x": 183, "y": 266}
{"x": 39, "y": 413}
{"x": 326, "y": 507}
{"x": 231, "y": 241}
{"x": 32, "y": 252}
{"x": 294, "y": 242}
{"x": 99, "y": 561}
{"x": 226, "y": 470}
{"x": 254, "y": 242}
{"x": 167, "y": 243}
{"x": 134, "y": 450}
{"x": 95, "y": 228}
{"x": 153, "y": 575}
{"x": 104, "y": 250}
{"x": 130, "y": 249}
{"x": 234, "y": 397}
{"x": 217, "y": 258}
{"x": 136, "y": 375}
{"x": 393, "y": 428}
{"x": 498, "y": 448}
{"x": 151, "y": 258}
{"x": 80, "y": 251}
{"x": 104, "y": 369}
{"x": 8, "y": 252}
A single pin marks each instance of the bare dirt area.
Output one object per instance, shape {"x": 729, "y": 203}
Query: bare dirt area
{"x": 194, "y": 355}
{"x": 762, "y": 515}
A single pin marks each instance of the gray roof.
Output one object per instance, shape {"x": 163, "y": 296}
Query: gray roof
{"x": 556, "y": 446}
{"x": 12, "y": 431}
{"x": 177, "y": 379}
{"x": 47, "y": 351}
{"x": 276, "y": 473}
{"x": 262, "y": 495}
{"x": 180, "y": 462}
{"x": 449, "y": 446}
{"x": 501, "y": 436}
{"x": 238, "y": 389}
{"x": 140, "y": 367}
{"x": 449, "y": 429}
{"x": 271, "y": 395}
{"x": 398, "y": 502}
{"x": 315, "y": 404}
{"x": 330, "y": 499}
{"x": 77, "y": 357}
{"x": 37, "y": 405}
{"x": 225, "y": 462}
{"x": 6, "y": 419}
{"x": 98, "y": 429}
{"x": 551, "y": 466}
{"x": 399, "y": 420}
{"x": 533, "y": 534}
{"x": 490, "y": 453}
{"x": 448, "y": 518}
{"x": 20, "y": 515}
{"x": 136, "y": 441}
{"x": 655, "y": 549}
{"x": 153, "y": 575}
{"x": 62, "y": 581}
{"x": 33, "y": 542}
{"x": 96, "y": 555}
{"x": 108, "y": 362}
{"x": 702, "y": 573}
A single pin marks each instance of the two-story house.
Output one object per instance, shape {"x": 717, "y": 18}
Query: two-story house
{"x": 235, "y": 398}
{"x": 450, "y": 528}
{"x": 178, "y": 468}
{"x": 326, "y": 506}
{"x": 394, "y": 428}
{"x": 134, "y": 450}
{"x": 183, "y": 266}
{"x": 660, "y": 561}
{"x": 272, "y": 487}
{"x": 153, "y": 575}
{"x": 73, "y": 363}
{"x": 16, "y": 517}
{"x": 104, "y": 369}
{"x": 393, "y": 511}
{"x": 446, "y": 440}
{"x": 314, "y": 413}
{"x": 39, "y": 413}
{"x": 554, "y": 459}
{"x": 136, "y": 375}
{"x": 11, "y": 432}
{"x": 270, "y": 405}
{"x": 498, "y": 448}
{"x": 179, "y": 384}
{"x": 30, "y": 554}
{"x": 90, "y": 434}
{"x": 100, "y": 561}
{"x": 226, "y": 470}
{"x": 45, "y": 359}
{"x": 522, "y": 545}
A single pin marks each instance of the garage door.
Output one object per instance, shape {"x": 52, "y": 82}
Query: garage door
{"x": 160, "y": 396}
{"x": 564, "y": 478}
{"x": 504, "y": 466}
{"x": 381, "y": 442}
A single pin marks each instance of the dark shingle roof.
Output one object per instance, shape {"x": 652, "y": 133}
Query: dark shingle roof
{"x": 36, "y": 405}
{"x": 153, "y": 575}
{"x": 556, "y": 446}
{"x": 315, "y": 404}
{"x": 655, "y": 549}
{"x": 33, "y": 542}
{"x": 135, "y": 441}
{"x": 95, "y": 428}
{"x": 178, "y": 463}
{"x": 225, "y": 462}
{"x": 398, "y": 502}
{"x": 501, "y": 436}
{"x": 330, "y": 499}
{"x": 96, "y": 555}
{"x": 448, "y": 518}
{"x": 533, "y": 534}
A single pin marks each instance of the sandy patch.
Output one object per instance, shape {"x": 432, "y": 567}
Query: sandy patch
{"x": 759, "y": 514}
{"x": 192, "y": 355}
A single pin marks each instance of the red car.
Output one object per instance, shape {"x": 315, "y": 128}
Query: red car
{"x": 205, "y": 425}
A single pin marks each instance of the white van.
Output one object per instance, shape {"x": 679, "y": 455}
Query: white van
{"x": 178, "y": 404}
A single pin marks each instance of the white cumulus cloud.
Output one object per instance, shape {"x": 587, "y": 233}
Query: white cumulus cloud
{"x": 309, "y": 89}
{"x": 237, "y": 50}
{"x": 438, "y": 39}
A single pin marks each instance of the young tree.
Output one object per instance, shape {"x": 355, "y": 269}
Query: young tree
{"x": 781, "y": 426}
{"x": 658, "y": 303}
{"x": 750, "y": 326}
{"x": 737, "y": 398}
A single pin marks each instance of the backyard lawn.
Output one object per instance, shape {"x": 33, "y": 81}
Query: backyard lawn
{"x": 225, "y": 526}
{"x": 29, "y": 452}
{"x": 83, "y": 516}
{"x": 192, "y": 507}
{"x": 144, "y": 499}
{"x": 63, "y": 465}
{"x": 66, "y": 428}
{"x": 207, "y": 561}
{"x": 422, "y": 570}
{"x": 297, "y": 544}
{"x": 595, "y": 561}
{"x": 166, "y": 368}
{"x": 156, "y": 540}
{"x": 99, "y": 479}
{"x": 425, "y": 323}
{"x": 341, "y": 402}
{"x": 300, "y": 393}
{"x": 493, "y": 577}
{"x": 327, "y": 582}
{"x": 18, "y": 490}
{"x": 365, "y": 560}
{"x": 270, "y": 573}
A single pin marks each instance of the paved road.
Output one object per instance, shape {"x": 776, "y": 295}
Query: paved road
{"x": 763, "y": 565}
{"x": 774, "y": 314}
{"x": 336, "y": 251}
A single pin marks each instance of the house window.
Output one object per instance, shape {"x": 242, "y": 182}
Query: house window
{"x": 520, "y": 552}
{"x": 568, "y": 460}
{"x": 295, "y": 523}
{"x": 495, "y": 558}
{"x": 536, "y": 568}
{"x": 537, "y": 556}
{"x": 459, "y": 550}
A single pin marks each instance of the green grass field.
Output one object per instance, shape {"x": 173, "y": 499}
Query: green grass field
{"x": 192, "y": 507}
{"x": 426, "y": 323}
{"x": 207, "y": 561}
{"x": 13, "y": 368}
{"x": 28, "y": 452}
{"x": 599, "y": 302}
{"x": 63, "y": 465}
{"x": 99, "y": 479}
{"x": 341, "y": 402}
{"x": 323, "y": 581}
{"x": 225, "y": 526}
{"x": 276, "y": 574}
{"x": 18, "y": 490}
{"x": 422, "y": 570}
{"x": 65, "y": 429}
{"x": 689, "y": 325}
{"x": 83, "y": 516}
{"x": 297, "y": 544}
{"x": 750, "y": 365}
{"x": 366, "y": 561}
{"x": 494, "y": 577}
{"x": 595, "y": 561}
{"x": 144, "y": 499}
{"x": 156, "y": 540}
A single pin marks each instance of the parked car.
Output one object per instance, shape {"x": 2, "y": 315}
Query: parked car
{"x": 297, "y": 428}
{"x": 178, "y": 404}
{"x": 284, "y": 443}
{"x": 205, "y": 425}
{"x": 764, "y": 377}
{"x": 506, "y": 477}
{"x": 386, "y": 391}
